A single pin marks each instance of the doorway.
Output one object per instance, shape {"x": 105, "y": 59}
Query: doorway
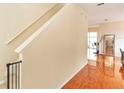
{"x": 92, "y": 48}
{"x": 109, "y": 44}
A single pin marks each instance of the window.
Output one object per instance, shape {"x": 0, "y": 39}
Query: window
{"x": 92, "y": 38}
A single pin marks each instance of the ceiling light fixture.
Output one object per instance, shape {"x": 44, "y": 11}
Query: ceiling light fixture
{"x": 99, "y": 4}
{"x": 106, "y": 19}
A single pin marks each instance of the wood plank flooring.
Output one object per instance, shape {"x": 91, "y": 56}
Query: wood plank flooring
{"x": 104, "y": 73}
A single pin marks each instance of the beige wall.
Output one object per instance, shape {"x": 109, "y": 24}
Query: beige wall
{"x": 13, "y": 19}
{"x": 58, "y": 52}
{"x": 116, "y": 28}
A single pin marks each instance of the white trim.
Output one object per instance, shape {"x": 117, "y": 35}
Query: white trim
{"x": 35, "y": 34}
{"x": 93, "y": 26}
{"x": 73, "y": 75}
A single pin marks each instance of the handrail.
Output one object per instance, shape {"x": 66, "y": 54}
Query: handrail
{"x": 13, "y": 77}
{"x": 14, "y": 63}
{"x": 18, "y": 34}
{"x": 36, "y": 33}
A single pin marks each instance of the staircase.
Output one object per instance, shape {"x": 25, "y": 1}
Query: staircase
{"x": 53, "y": 45}
{"x": 13, "y": 70}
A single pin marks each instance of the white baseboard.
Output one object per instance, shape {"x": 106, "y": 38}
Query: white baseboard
{"x": 72, "y": 75}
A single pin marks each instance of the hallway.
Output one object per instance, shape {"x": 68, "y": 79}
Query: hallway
{"x": 105, "y": 73}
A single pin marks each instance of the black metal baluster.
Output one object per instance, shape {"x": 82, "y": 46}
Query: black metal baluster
{"x": 19, "y": 75}
{"x": 8, "y": 72}
{"x": 16, "y": 76}
{"x": 12, "y": 76}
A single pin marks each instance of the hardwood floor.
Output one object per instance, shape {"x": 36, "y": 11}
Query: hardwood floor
{"x": 104, "y": 73}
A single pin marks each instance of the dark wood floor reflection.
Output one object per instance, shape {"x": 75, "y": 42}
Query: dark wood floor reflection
{"x": 104, "y": 73}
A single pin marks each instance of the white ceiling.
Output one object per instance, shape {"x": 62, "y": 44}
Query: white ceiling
{"x": 98, "y": 14}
